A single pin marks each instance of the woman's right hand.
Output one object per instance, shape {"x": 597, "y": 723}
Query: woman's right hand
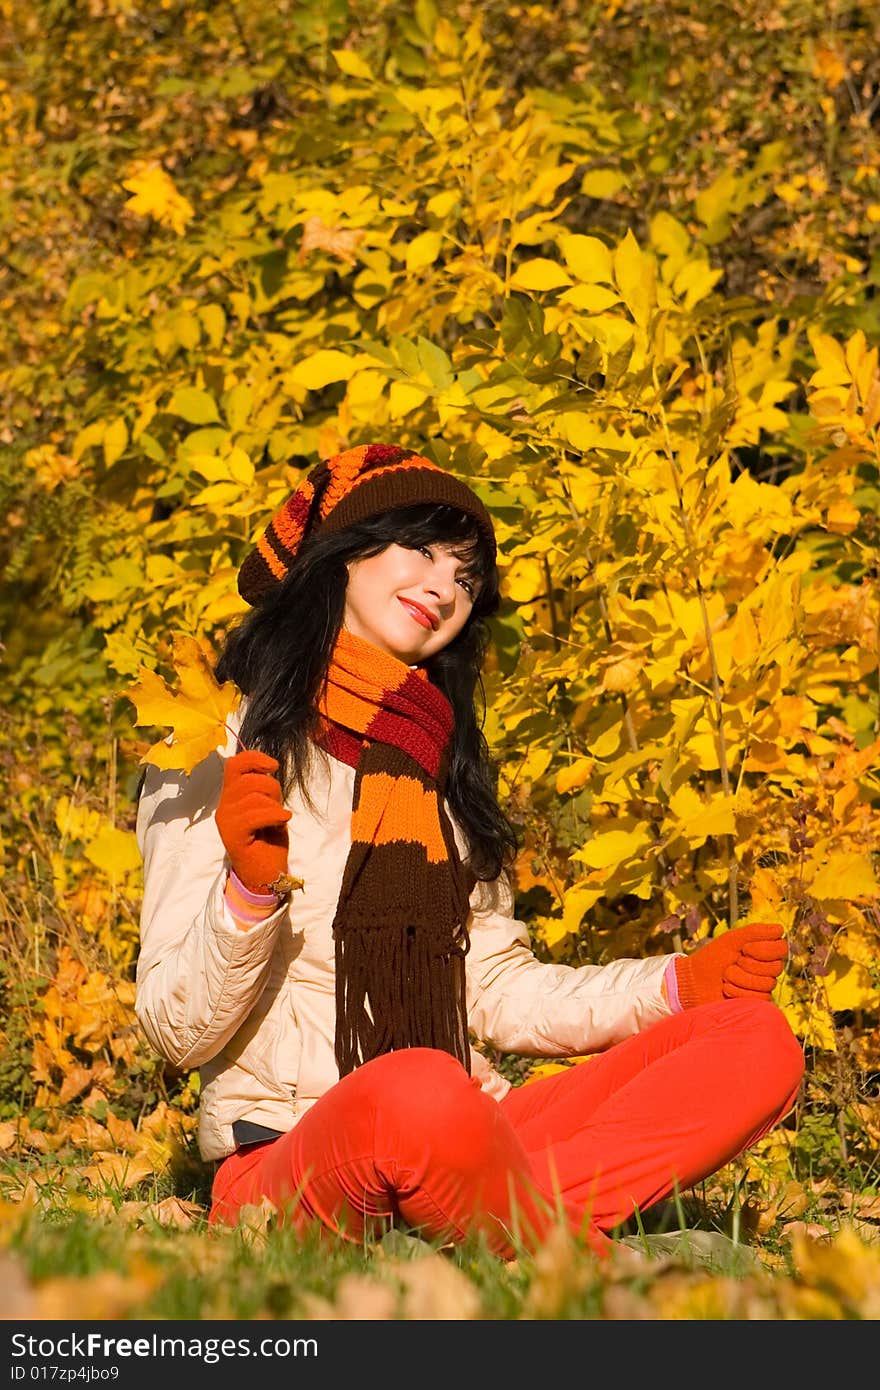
{"x": 252, "y": 819}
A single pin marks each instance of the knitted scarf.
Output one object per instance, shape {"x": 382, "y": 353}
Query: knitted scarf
{"x": 400, "y": 927}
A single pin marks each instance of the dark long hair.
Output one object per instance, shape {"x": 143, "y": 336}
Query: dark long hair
{"x": 279, "y": 654}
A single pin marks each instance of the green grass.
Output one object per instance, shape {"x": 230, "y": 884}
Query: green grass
{"x": 115, "y": 1260}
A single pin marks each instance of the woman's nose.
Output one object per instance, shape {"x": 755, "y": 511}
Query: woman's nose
{"x": 441, "y": 583}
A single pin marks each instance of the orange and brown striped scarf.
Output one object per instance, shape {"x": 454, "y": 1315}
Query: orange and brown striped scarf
{"x": 400, "y": 927}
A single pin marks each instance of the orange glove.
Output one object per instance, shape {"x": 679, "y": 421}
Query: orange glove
{"x": 252, "y": 819}
{"x": 745, "y": 962}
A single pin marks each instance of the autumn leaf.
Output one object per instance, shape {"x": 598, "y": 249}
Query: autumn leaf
{"x": 846, "y": 875}
{"x": 321, "y": 368}
{"x": 74, "y": 1082}
{"x": 171, "y": 1212}
{"x": 255, "y": 1220}
{"x": 613, "y": 847}
{"x": 104, "y": 1294}
{"x": 196, "y": 711}
{"x": 828, "y": 65}
{"x": 433, "y": 1288}
{"x": 575, "y": 776}
{"x": 117, "y": 1170}
{"x": 114, "y": 852}
{"x": 155, "y": 195}
{"x": 336, "y": 241}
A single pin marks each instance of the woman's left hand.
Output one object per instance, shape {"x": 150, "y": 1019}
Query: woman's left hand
{"x": 746, "y": 961}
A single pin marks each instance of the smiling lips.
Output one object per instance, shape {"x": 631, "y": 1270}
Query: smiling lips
{"x": 421, "y": 614}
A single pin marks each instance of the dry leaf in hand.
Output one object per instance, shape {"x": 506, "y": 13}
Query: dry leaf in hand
{"x": 196, "y": 711}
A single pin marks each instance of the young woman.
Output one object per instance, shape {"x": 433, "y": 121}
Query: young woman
{"x": 328, "y": 924}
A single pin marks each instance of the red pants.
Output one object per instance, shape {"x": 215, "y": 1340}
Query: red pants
{"x": 411, "y": 1136}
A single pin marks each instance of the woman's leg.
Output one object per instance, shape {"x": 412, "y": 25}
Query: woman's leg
{"x": 409, "y": 1134}
{"x": 657, "y": 1112}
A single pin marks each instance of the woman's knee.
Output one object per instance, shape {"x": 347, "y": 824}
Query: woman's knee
{"x": 781, "y": 1055}
{"x": 426, "y": 1096}
{"x": 787, "y": 1052}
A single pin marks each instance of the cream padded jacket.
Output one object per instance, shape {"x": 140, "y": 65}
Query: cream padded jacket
{"x": 254, "y": 1011}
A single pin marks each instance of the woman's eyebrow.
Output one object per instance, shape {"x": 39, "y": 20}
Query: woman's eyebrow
{"x": 471, "y": 572}
{"x": 468, "y": 560}
{"x": 467, "y": 557}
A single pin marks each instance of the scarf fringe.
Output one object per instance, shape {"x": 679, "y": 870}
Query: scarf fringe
{"x": 390, "y": 995}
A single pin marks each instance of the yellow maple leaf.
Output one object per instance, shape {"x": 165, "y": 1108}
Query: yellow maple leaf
{"x": 155, "y": 195}
{"x": 196, "y": 712}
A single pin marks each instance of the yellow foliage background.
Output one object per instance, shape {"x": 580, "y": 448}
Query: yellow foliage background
{"x": 630, "y": 298}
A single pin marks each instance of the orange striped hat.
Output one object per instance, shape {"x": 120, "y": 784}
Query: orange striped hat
{"x": 350, "y": 487}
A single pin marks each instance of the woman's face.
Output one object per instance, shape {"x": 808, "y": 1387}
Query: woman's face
{"x": 409, "y": 603}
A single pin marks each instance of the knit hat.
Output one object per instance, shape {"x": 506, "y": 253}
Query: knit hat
{"x": 350, "y": 487}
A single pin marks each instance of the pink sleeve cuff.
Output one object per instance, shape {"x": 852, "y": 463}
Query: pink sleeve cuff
{"x": 670, "y": 980}
{"x": 249, "y": 896}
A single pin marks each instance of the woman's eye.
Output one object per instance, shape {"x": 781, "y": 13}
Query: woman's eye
{"x": 467, "y": 584}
